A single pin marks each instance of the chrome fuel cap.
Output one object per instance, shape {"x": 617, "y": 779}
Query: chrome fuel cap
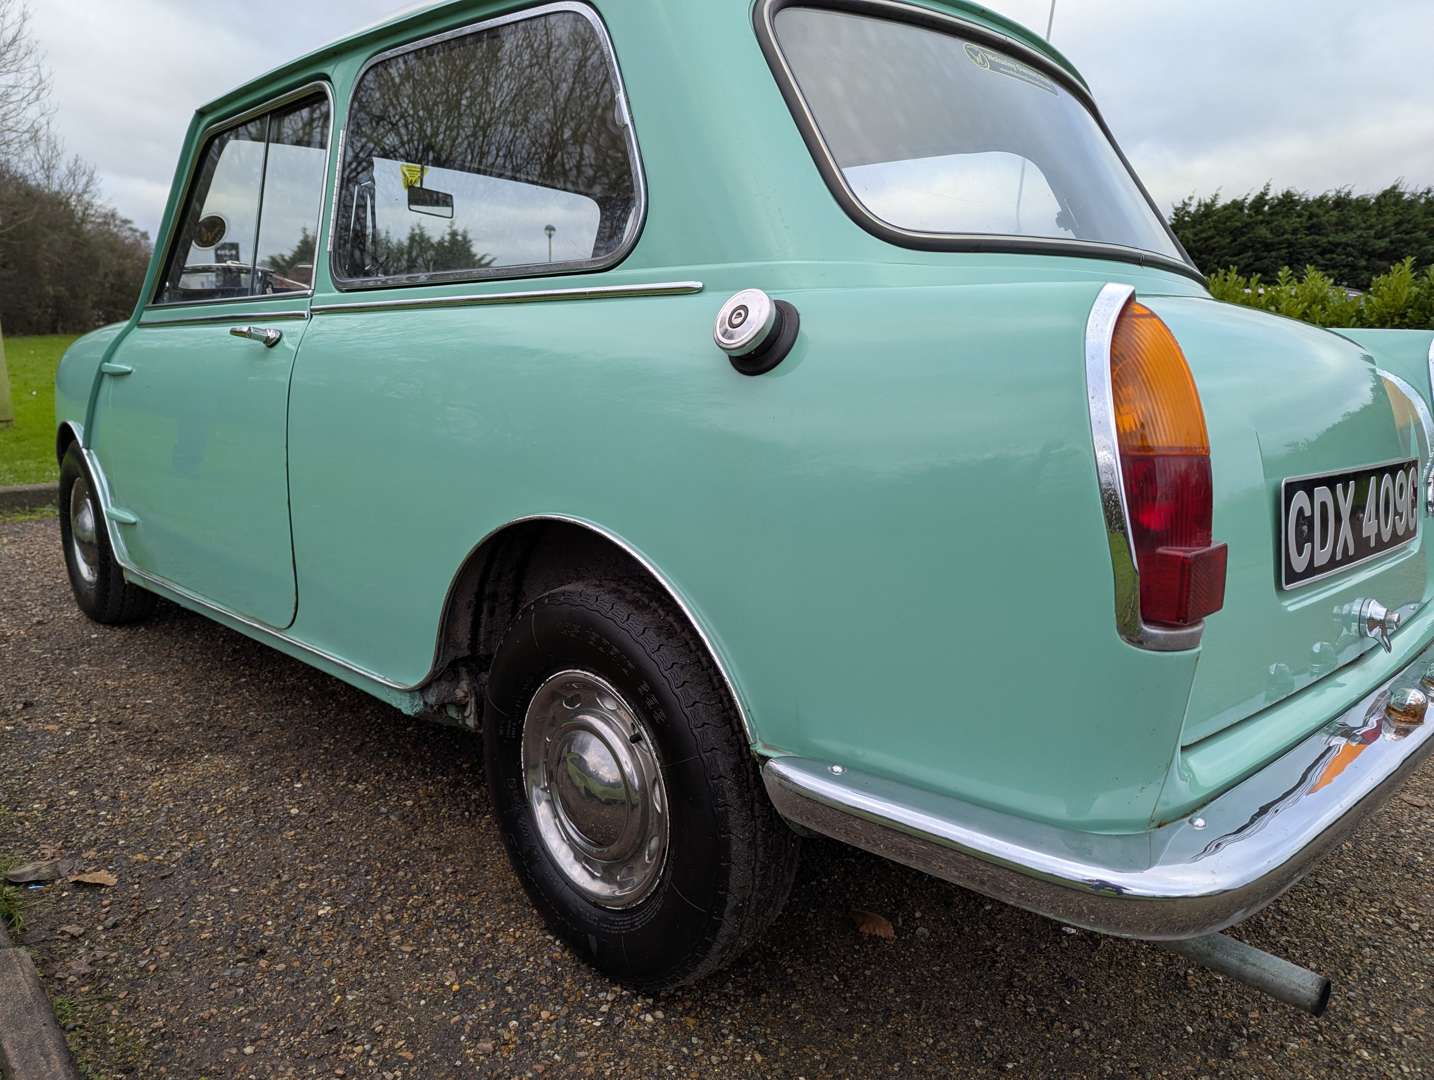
{"x": 745, "y": 322}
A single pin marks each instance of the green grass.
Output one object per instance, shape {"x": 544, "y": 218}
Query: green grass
{"x": 27, "y": 449}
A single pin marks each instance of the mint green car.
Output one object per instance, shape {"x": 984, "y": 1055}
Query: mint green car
{"x": 763, "y": 419}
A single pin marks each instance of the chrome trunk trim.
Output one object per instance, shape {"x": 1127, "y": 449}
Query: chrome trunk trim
{"x": 1194, "y": 876}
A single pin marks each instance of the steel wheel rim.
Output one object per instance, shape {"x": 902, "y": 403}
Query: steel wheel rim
{"x": 595, "y": 788}
{"x": 84, "y": 531}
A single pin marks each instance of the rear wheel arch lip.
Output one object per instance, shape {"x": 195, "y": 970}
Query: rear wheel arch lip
{"x": 475, "y": 558}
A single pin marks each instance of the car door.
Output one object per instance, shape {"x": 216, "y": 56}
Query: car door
{"x": 190, "y": 427}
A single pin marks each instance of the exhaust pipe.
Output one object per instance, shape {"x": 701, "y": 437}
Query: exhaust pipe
{"x": 1292, "y": 984}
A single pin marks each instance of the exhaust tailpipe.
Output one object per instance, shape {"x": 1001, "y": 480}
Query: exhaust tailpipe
{"x": 1292, "y": 984}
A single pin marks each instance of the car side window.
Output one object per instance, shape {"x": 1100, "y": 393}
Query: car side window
{"x": 249, "y": 225}
{"x": 500, "y": 151}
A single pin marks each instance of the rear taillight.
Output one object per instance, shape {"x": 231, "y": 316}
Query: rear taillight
{"x": 1164, "y": 454}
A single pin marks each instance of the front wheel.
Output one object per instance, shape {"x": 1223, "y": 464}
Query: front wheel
{"x": 95, "y": 576}
{"x": 629, "y": 801}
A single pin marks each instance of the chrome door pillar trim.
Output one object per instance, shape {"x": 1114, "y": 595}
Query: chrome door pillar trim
{"x": 588, "y": 292}
{"x": 1099, "y": 335}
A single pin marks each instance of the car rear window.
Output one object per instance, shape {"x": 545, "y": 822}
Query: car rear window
{"x": 936, "y": 134}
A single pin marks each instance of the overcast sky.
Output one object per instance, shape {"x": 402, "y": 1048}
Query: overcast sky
{"x": 1201, "y": 94}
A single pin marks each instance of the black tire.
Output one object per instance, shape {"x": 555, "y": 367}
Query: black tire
{"x": 105, "y": 597}
{"x": 730, "y": 859}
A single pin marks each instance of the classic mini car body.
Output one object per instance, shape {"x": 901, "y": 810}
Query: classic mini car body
{"x": 751, "y": 414}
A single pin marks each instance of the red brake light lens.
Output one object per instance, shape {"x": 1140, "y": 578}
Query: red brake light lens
{"x": 1165, "y": 468}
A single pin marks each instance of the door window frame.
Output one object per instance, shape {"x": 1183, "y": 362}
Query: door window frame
{"x": 202, "y": 144}
{"x": 634, "y": 153}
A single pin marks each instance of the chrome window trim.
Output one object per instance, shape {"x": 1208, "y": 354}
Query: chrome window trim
{"x": 121, "y": 554}
{"x": 592, "y": 292}
{"x": 228, "y": 316}
{"x": 202, "y": 143}
{"x": 636, "y": 220}
{"x": 764, "y": 16}
{"x": 1099, "y": 334}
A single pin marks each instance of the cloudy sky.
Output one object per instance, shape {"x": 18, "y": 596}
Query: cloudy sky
{"x": 1202, "y": 94}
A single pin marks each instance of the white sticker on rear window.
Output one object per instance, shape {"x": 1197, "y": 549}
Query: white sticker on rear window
{"x": 1004, "y": 65}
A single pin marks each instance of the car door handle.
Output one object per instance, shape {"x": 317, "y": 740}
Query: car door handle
{"x": 116, "y": 369}
{"x": 265, "y": 336}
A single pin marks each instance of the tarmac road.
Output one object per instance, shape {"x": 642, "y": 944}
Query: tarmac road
{"x": 311, "y": 885}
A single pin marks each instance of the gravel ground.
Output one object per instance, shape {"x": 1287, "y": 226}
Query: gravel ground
{"x": 311, "y": 885}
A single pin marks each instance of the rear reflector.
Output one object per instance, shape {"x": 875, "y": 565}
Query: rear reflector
{"x": 1165, "y": 469}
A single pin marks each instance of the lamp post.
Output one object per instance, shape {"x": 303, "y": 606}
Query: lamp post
{"x": 549, "y": 230}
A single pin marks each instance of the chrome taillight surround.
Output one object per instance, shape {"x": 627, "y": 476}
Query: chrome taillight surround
{"x": 1099, "y": 335}
{"x": 1426, "y": 425}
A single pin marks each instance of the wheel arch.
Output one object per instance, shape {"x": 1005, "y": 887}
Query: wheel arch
{"x": 530, "y": 555}
{"x": 69, "y": 433}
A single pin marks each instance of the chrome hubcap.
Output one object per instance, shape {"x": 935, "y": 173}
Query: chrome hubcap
{"x": 595, "y": 787}
{"x": 84, "y": 542}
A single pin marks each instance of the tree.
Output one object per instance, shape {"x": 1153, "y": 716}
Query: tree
{"x": 1352, "y": 238}
{"x": 23, "y": 89}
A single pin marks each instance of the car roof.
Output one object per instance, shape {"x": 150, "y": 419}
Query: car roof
{"x": 419, "y": 15}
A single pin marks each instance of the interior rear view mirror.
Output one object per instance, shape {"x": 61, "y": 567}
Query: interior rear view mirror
{"x": 423, "y": 200}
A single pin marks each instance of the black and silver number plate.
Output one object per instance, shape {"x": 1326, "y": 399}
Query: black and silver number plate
{"x": 1332, "y": 522}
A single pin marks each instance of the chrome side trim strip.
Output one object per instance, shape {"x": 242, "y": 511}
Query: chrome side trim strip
{"x": 1099, "y": 333}
{"x": 227, "y": 317}
{"x": 591, "y": 292}
{"x": 1196, "y": 875}
{"x": 101, "y": 487}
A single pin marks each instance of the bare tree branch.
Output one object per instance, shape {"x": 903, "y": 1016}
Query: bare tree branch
{"x": 24, "y": 82}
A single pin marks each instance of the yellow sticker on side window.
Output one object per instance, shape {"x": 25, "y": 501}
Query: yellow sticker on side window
{"x": 412, "y": 175}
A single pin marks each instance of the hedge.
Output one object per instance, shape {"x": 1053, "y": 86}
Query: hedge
{"x": 1400, "y": 298}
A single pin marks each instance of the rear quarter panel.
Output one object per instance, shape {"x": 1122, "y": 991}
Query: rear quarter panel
{"x": 894, "y": 539}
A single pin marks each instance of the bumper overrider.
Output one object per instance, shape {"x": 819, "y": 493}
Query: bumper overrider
{"x": 1195, "y": 876}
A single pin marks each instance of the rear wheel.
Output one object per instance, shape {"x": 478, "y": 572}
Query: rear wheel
{"x": 630, "y": 803}
{"x": 95, "y": 576}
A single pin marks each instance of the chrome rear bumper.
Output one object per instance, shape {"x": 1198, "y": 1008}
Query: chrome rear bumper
{"x": 1194, "y": 876}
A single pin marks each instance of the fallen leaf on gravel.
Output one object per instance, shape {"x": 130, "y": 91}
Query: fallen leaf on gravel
{"x": 870, "y": 924}
{"x": 1415, "y": 800}
{"x": 96, "y": 877}
{"x": 40, "y": 872}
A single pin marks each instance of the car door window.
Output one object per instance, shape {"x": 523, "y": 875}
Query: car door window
{"x": 249, "y": 224}
{"x": 500, "y": 151}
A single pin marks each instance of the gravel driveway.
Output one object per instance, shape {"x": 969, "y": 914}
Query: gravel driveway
{"x": 310, "y": 884}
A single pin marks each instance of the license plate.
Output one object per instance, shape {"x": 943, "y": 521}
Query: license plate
{"x": 1332, "y": 522}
